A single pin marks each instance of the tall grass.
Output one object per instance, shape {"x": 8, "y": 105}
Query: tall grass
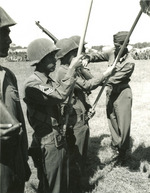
{"x": 102, "y": 175}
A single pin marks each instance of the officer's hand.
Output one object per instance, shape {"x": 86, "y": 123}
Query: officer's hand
{"x": 85, "y": 60}
{"x": 76, "y": 62}
{"x": 91, "y": 113}
{"x": 7, "y": 130}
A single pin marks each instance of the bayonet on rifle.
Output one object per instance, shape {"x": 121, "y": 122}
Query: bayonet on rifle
{"x": 47, "y": 32}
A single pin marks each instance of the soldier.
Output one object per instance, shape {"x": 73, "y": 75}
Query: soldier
{"x": 14, "y": 169}
{"x": 43, "y": 95}
{"x": 119, "y": 98}
{"x": 78, "y": 127}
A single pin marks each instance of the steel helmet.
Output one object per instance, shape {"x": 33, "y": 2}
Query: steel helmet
{"x": 66, "y": 45}
{"x": 76, "y": 38}
{"x": 39, "y": 48}
{"x": 5, "y": 19}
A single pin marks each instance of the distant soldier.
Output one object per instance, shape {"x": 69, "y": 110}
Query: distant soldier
{"x": 43, "y": 95}
{"x": 78, "y": 127}
{"x": 14, "y": 169}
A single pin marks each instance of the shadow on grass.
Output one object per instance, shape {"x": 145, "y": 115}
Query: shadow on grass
{"x": 95, "y": 147}
{"x": 140, "y": 154}
{"x": 94, "y": 163}
{"x": 98, "y": 169}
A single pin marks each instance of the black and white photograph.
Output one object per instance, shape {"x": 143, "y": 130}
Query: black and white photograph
{"x": 75, "y": 96}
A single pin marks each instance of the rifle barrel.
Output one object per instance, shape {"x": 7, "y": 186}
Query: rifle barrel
{"x": 46, "y": 32}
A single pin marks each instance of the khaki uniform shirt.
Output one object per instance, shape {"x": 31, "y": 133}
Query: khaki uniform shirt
{"x": 14, "y": 156}
{"x": 43, "y": 95}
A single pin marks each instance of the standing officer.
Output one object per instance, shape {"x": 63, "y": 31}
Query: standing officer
{"x": 14, "y": 169}
{"x": 43, "y": 95}
{"x": 78, "y": 127}
{"x": 119, "y": 97}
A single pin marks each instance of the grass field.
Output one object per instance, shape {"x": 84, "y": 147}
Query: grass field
{"x": 134, "y": 177}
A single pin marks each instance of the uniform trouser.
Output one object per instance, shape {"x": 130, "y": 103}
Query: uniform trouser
{"x": 82, "y": 138}
{"x": 119, "y": 117}
{"x": 54, "y": 166}
{"x": 78, "y": 147}
{"x": 9, "y": 182}
{"x": 12, "y": 169}
{"x": 78, "y": 140}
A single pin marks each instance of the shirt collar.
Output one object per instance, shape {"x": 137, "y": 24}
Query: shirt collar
{"x": 43, "y": 77}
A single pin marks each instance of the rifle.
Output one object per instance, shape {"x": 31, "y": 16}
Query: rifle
{"x": 47, "y": 32}
{"x": 85, "y": 73}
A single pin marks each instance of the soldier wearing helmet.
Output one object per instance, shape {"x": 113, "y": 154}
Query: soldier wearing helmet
{"x": 13, "y": 136}
{"x": 78, "y": 128}
{"x": 5, "y": 22}
{"x": 84, "y": 71}
{"x": 77, "y": 38}
{"x": 43, "y": 95}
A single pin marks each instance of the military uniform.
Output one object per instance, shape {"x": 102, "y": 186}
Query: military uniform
{"x": 119, "y": 103}
{"x": 77, "y": 134}
{"x": 43, "y": 96}
{"x": 81, "y": 105}
{"x": 119, "y": 97}
{"x": 13, "y": 160}
{"x": 78, "y": 127}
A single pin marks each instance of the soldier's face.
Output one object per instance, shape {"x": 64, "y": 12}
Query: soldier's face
{"x": 5, "y": 41}
{"x": 117, "y": 49}
{"x": 49, "y": 62}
